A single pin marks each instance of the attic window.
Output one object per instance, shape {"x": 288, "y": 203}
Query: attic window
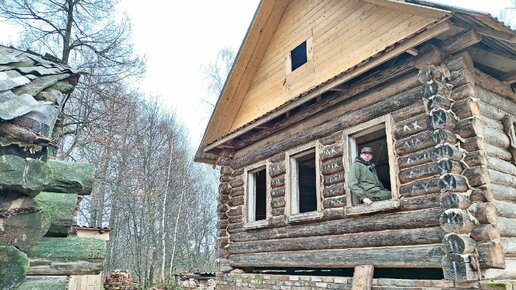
{"x": 298, "y": 56}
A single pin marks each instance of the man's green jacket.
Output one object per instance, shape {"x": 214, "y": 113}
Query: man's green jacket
{"x": 364, "y": 182}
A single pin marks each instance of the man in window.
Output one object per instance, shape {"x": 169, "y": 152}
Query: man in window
{"x": 363, "y": 180}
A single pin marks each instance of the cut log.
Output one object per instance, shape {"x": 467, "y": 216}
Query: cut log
{"x": 454, "y": 200}
{"x": 485, "y": 232}
{"x": 442, "y": 119}
{"x": 458, "y": 267}
{"x": 509, "y": 246}
{"x": 332, "y": 166}
{"x": 490, "y": 111}
{"x": 501, "y": 192}
{"x": 67, "y": 256}
{"x": 459, "y": 244}
{"x": 420, "y": 187}
{"x": 507, "y": 227}
{"x": 22, "y": 222}
{"x": 495, "y": 86}
{"x": 31, "y": 176}
{"x": 332, "y": 151}
{"x": 490, "y": 255}
{"x": 428, "y": 155}
{"x": 505, "y": 209}
{"x": 13, "y": 267}
{"x": 424, "y": 140}
{"x": 457, "y": 221}
{"x": 443, "y": 166}
{"x": 467, "y": 128}
{"x": 476, "y": 143}
{"x": 385, "y": 238}
{"x": 484, "y": 212}
{"x": 466, "y": 108}
{"x": 45, "y": 283}
{"x": 60, "y": 207}
{"x": 422, "y": 256}
{"x": 417, "y": 108}
{"x": 411, "y": 126}
{"x": 377, "y": 222}
{"x": 420, "y": 202}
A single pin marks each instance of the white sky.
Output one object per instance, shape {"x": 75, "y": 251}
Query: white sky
{"x": 178, "y": 37}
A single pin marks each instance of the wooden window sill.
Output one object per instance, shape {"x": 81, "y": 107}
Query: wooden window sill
{"x": 306, "y": 216}
{"x": 376, "y": 206}
{"x": 257, "y": 224}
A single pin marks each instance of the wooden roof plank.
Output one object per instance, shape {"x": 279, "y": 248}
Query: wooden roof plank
{"x": 414, "y": 41}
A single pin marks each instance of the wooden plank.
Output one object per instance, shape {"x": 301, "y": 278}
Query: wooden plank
{"x": 405, "y": 7}
{"x": 421, "y": 256}
{"x": 363, "y": 277}
{"x": 460, "y": 42}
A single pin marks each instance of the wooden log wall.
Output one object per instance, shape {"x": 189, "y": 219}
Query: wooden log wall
{"x": 456, "y": 182}
{"x": 413, "y": 228}
{"x": 478, "y": 159}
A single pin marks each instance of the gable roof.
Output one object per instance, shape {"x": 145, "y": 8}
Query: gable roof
{"x": 225, "y": 123}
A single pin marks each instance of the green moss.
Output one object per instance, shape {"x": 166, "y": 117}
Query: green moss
{"x": 14, "y": 265}
{"x": 54, "y": 283}
{"x": 69, "y": 249}
{"x": 498, "y": 286}
{"x": 60, "y": 207}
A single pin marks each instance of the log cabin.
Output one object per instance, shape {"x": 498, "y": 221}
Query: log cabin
{"x": 429, "y": 87}
{"x": 39, "y": 196}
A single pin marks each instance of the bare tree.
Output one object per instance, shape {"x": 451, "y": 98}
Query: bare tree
{"x": 216, "y": 72}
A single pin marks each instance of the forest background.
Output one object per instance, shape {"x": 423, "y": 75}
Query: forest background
{"x": 160, "y": 205}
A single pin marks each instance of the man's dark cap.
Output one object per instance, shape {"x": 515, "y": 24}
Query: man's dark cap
{"x": 366, "y": 150}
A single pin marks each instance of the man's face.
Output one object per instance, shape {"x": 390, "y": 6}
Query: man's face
{"x": 367, "y": 156}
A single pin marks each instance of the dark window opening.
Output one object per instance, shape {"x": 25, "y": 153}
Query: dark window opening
{"x": 307, "y": 188}
{"x": 377, "y": 140}
{"x": 260, "y": 195}
{"x": 298, "y": 56}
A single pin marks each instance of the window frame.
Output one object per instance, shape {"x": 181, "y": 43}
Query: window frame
{"x": 292, "y": 195}
{"x": 350, "y": 151}
{"x": 249, "y": 207}
{"x": 309, "y": 56}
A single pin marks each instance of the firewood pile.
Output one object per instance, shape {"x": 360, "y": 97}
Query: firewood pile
{"x": 119, "y": 280}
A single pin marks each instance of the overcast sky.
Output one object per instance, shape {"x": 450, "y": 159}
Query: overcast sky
{"x": 178, "y": 37}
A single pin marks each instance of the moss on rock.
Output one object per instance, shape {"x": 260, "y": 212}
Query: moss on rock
{"x": 69, "y": 249}
{"x": 45, "y": 283}
{"x": 60, "y": 207}
{"x": 14, "y": 265}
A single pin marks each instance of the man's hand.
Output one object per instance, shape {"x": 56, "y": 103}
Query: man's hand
{"x": 367, "y": 201}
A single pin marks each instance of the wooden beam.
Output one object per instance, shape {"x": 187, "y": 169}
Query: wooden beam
{"x": 412, "y": 51}
{"x": 421, "y": 256}
{"x": 363, "y": 277}
{"x": 345, "y": 76}
{"x": 460, "y": 42}
{"x": 415, "y": 9}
